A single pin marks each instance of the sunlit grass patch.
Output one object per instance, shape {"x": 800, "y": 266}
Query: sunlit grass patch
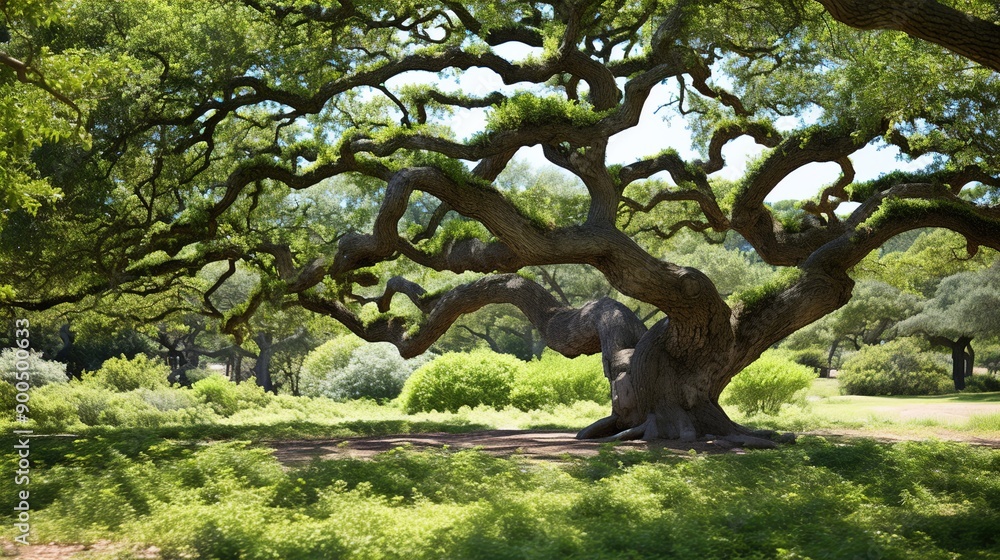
{"x": 984, "y": 422}
{"x": 817, "y": 499}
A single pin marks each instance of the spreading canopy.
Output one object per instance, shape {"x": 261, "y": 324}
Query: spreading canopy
{"x": 316, "y": 144}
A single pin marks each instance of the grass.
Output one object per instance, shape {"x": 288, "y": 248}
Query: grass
{"x": 951, "y": 416}
{"x": 213, "y": 489}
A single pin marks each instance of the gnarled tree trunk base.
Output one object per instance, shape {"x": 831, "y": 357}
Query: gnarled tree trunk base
{"x": 670, "y": 422}
{"x": 609, "y": 429}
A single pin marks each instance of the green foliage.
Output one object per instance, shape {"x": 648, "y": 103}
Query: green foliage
{"x": 556, "y": 379}
{"x": 95, "y": 345}
{"x": 61, "y": 407}
{"x": 483, "y": 377}
{"x": 989, "y": 357}
{"x": 40, "y": 371}
{"x": 900, "y": 367}
{"x": 453, "y": 231}
{"x": 232, "y": 500}
{"x": 767, "y": 384}
{"x": 374, "y": 371}
{"x": 812, "y": 357}
{"x": 331, "y": 356}
{"x": 964, "y": 304}
{"x": 122, "y": 375}
{"x": 526, "y": 109}
{"x": 227, "y": 398}
{"x": 982, "y": 384}
{"x": 756, "y": 296}
{"x": 731, "y": 269}
{"x": 454, "y": 380}
{"x": 547, "y": 197}
{"x": 76, "y": 405}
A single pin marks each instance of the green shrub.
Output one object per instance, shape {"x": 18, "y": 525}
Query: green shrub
{"x": 812, "y": 357}
{"x": 123, "y": 375}
{"x": 556, "y": 379}
{"x": 329, "y": 357}
{"x": 56, "y": 408}
{"x": 374, "y": 371}
{"x": 982, "y": 384}
{"x": 454, "y": 380}
{"x": 168, "y": 398}
{"x": 25, "y": 366}
{"x": 130, "y": 409}
{"x": 899, "y": 367}
{"x": 8, "y": 401}
{"x": 197, "y": 374}
{"x": 766, "y": 384}
{"x": 227, "y": 398}
{"x": 40, "y": 371}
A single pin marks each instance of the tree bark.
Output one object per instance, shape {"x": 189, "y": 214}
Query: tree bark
{"x": 660, "y": 396}
{"x": 958, "y": 361}
{"x": 262, "y": 368}
{"x": 961, "y": 362}
{"x": 957, "y": 31}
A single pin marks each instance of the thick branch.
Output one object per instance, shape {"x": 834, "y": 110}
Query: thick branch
{"x": 957, "y": 31}
{"x": 603, "y": 326}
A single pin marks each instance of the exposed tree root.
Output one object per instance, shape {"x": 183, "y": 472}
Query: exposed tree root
{"x": 605, "y": 427}
{"x": 638, "y": 432}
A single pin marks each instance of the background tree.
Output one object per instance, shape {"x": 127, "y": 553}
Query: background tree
{"x": 916, "y": 263}
{"x": 228, "y": 114}
{"x": 963, "y": 308}
{"x": 871, "y": 317}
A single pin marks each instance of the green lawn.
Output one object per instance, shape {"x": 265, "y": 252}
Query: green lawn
{"x": 953, "y": 416}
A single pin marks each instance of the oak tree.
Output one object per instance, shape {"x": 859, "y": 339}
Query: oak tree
{"x": 226, "y": 116}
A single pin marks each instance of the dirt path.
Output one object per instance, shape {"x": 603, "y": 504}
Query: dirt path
{"x": 535, "y": 444}
{"x": 543, "y": 444}
{"x": 947, "y": 412}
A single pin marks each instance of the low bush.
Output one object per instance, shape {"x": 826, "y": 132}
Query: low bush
{"x": 324, "y": 361}
{"x": 123, "y": 375}
{"x": 227, "y": 398}
{"x": 812, "y": 357}
{"x": 556, "y": 379}
{"x": 168, "y": 398}
{"x": 899, "y": 367}
{"x": 767, "y": 384}
{"x": 982, "y": 384}
{"x": 454, "y": 380}
{"x": 197, "y": 374}
{"x": 39, "y": 370}
{"x": 373, "y": 371}
{"x": 56, "y": 408}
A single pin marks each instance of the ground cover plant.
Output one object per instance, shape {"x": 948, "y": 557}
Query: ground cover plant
{"x": 202, "y": 481}
{"x": 209, "y": 486}
{"x": 818, "y": 499}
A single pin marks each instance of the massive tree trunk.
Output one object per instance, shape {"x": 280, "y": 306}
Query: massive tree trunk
{"x": 661, "y": 396}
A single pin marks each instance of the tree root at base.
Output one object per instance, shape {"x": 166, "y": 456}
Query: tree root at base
{"x": 607, "y": 430}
